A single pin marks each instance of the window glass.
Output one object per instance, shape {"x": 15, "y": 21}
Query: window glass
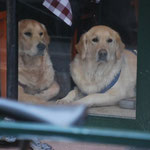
{"x": 80, "y": 53}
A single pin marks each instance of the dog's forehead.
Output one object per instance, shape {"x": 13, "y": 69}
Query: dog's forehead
{"x": 34, "y": 27}
{"x": 31, "y": 26}
{"x": 102, "y": 31}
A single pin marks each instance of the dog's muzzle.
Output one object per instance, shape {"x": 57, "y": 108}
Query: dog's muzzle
{"x": 41, "y": 47}
{"x": 102, "y": 55}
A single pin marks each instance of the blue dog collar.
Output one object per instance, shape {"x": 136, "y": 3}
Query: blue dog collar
{"x": 112, "y": 83}
{"x": 115, "y": 79}
{"x": 105, "y": 89}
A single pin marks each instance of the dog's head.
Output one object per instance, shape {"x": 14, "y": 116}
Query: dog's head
{"x": 100, "y": 43}
{"x": 33, "y": 38}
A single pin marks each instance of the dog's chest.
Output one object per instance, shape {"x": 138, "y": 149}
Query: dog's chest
{"x": 91, "y": 77}
{"x": 36, "y": 75}
{"x": 87, "y": 77}
{"x": 30, "y": 76}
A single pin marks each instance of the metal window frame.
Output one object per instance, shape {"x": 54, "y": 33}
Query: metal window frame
{"x": 12, "y": 50}
{"x": 109, "y": 130}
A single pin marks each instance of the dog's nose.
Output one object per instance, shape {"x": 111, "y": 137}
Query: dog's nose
{"x": 102, "y": 54}
{"x": 41, "y": 46}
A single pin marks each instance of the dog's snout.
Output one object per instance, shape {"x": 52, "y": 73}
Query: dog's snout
{"x": 102, "y": 54}
{"x": 41, "y": 46}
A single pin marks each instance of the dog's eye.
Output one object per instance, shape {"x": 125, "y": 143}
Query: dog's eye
{"x": 28, "y": 34}
{"x": 95, "y": 39}
{"x": 41, "y": 33}
{"x": 109, "y": 40}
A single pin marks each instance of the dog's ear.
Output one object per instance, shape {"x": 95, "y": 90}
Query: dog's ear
{"x": 120, "y": 46}
{"x": 81, "y": 46}
{"x": 46, "y": 36}
{"x": 19, "y": 23}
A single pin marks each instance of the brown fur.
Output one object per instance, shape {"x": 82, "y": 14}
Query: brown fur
{"x": 36, "y": 73}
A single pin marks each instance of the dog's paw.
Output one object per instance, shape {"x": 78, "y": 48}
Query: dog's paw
{"x": 63, "y": 101}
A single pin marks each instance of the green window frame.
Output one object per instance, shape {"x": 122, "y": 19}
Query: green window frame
{"x": 142, "y": 121}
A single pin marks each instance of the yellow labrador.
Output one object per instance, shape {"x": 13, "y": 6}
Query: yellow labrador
{"x": 36, "y": 73}
{"x": 103, "y": 70}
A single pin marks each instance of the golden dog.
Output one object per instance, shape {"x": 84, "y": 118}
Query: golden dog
{"x": 36, "y": 73}
{"x": 102, "y": 61}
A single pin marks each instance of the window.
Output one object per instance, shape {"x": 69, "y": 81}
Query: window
{"x": 66, "y": 37}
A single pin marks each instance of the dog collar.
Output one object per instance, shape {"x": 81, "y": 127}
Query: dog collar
{"x": 112, "y": 83}
{"x": 115, "y": 79}
{"x": 109, "y": 86}
{"x": 28, "y": 91}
